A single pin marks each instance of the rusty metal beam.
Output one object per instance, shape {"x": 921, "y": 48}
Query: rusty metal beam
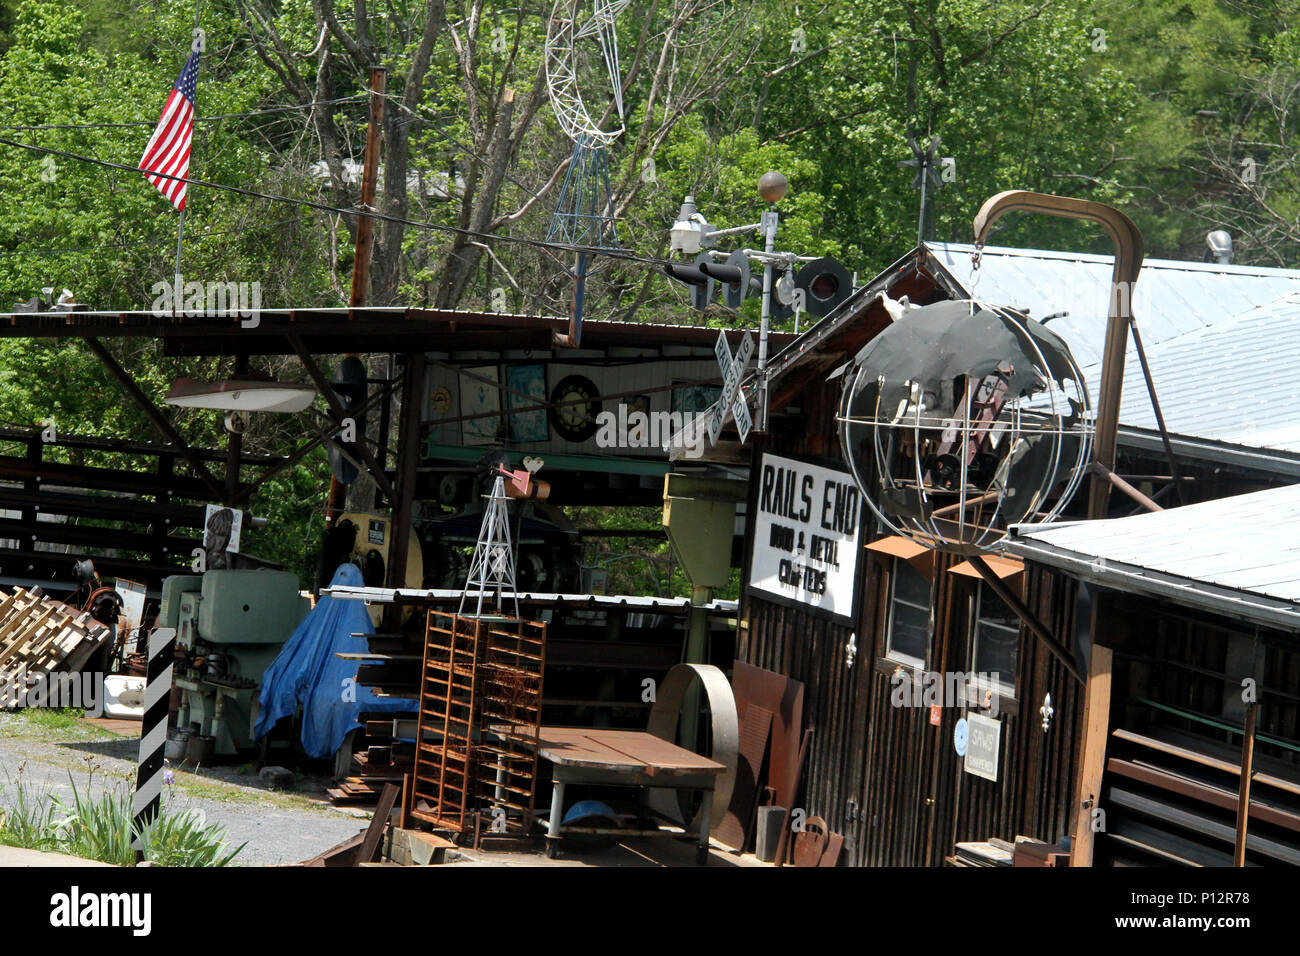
{"x": 155, "y": 415}
{"x": 1243, "y": 789}
{"x": 1097, "y": 468}
{"x": 1128, "y": 263}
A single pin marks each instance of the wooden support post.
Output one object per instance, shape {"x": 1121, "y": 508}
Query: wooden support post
{"x": 1243, "y": 788}
{"x": 1092, "y": 757}
{"x": 408, "y": 463}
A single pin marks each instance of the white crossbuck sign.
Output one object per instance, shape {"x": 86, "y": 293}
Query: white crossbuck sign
{"x": 731, "y": 403}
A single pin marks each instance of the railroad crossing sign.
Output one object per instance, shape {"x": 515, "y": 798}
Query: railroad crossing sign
{"x": 731, "y": 402}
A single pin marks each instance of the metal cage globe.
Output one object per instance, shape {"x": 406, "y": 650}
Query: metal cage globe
{"x": 961, "y": 419}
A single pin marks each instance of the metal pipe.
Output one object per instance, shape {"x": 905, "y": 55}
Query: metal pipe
{"x": 769, "y": 224}
{"x": 1097, "y": 468}
{"x": 1128, "y": 263}
{"x": 1243, "y": 789}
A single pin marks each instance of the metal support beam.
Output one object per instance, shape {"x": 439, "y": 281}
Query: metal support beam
{"x": 1243, "y": 789}
{"x": 1128, "y": 263}
{"x": 339, "y": 413}
{"x": 297, "y": 455}
{"x": 1149, "y": 504}
{"x": 155, "y": 415}
{"x": 1027, "y": 616}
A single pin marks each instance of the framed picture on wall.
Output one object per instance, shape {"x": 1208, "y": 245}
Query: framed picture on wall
{"x": 531, "y": 381}
{"x": 477, "y": 397}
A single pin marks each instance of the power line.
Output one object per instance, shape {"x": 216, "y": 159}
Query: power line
{"x": 144, "y": 242}
{"x": 323, "y": 207}
{"x": 201, "y": 119}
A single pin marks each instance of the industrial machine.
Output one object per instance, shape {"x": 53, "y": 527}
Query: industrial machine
{"x": 230, "y": 626}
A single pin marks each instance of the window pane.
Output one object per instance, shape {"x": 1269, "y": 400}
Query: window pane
{"x": 910, "y": 584}
{"x": 997, "y": 638}
{"x": 996, "y": 651}
{"x": 909, "y": 630}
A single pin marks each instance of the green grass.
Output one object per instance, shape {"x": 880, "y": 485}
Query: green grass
{"x": 51, "y": 724}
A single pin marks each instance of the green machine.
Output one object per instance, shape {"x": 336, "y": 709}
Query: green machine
{"x": 231, "y": 625}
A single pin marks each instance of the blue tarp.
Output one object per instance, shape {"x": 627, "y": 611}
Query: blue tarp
{"x": 307, "y": 673}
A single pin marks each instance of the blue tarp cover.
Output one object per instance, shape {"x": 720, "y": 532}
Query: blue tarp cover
{"x": 307, "y": 673}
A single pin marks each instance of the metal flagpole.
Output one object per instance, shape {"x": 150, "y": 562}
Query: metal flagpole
{"x": 178, "y": 288}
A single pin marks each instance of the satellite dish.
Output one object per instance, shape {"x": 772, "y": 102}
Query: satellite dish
{"x": 960, "y": 419}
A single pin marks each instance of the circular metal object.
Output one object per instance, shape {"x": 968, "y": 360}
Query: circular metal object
{"x": 961, "y": 419}
{"x": 664, "y": 716}
{"x": 772, "y": 186}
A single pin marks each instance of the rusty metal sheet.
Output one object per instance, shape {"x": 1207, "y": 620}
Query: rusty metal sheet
{"x": 784, "y": 698}
{"x": 755, "y": 731}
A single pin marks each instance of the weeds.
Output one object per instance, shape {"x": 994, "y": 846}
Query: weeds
{"x": 102, "y": 828}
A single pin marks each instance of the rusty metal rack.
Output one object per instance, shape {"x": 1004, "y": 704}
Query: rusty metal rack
{"x": 480, "y": 713}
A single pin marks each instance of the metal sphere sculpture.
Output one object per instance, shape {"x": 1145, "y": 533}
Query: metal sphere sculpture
{"x": 961, "y": 419}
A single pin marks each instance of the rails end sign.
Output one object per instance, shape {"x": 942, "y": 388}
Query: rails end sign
{"x": 806, "y": 523}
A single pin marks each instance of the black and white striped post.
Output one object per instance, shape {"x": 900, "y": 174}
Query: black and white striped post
{"x": 153, "y": 731}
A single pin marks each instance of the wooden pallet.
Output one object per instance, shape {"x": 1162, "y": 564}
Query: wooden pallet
{"x": 40, "y": 636}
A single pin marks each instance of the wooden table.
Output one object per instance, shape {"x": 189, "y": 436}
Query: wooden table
{"x": 624, "y": 758}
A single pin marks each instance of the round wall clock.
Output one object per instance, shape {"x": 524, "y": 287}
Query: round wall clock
{"x": 575, "y": 405}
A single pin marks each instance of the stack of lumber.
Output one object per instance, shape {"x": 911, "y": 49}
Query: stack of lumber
{"x": 384, "y": 760}
{"x": 40, "y": 636}
{"x": 390, "y": 668}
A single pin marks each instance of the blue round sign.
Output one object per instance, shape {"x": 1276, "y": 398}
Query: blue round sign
{"x": 959, "y": 738}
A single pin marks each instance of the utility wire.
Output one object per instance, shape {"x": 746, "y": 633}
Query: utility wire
{"x": 201, "y": 119}
{"x": 323, "y": 207}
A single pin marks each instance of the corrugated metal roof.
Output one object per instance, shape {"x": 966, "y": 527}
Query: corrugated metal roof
{"x": 1238, "y": 556}
{"x": 1236, "y": 381}
{"x": 1171, "y": 298}
{"x": 636, "y": 602}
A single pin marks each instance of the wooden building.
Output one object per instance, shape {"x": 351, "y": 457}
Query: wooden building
{"x": 884, "y": 766}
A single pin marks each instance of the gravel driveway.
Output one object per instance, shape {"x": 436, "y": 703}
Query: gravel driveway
{"x": 278, "y": 827}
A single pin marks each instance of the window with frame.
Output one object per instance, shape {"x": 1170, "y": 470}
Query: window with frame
{"x": 908, "y": 636}
{"x": 995, "y": 642}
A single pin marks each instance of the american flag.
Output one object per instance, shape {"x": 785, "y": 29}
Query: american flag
{"x": 169, "y": 147}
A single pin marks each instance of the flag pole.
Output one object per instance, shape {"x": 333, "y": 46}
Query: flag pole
{"x": 178, "y": 288}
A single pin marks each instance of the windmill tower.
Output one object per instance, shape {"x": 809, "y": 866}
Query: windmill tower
{"x": 492, "y": 569}
{"x": 584, "y": 215}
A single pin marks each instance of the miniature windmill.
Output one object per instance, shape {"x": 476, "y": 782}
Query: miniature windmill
{"x": 584, "y": 214}
{"x": 492, "y": 569}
